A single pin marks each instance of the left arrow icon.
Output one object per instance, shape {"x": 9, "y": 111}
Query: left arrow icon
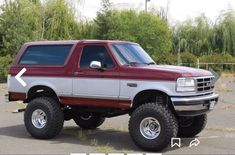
{"x": 18, "y": 77}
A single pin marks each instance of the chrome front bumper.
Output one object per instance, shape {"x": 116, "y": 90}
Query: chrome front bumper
{"x": 194, "y": 105}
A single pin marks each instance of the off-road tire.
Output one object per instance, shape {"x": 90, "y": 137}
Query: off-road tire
{"x": 55, "y": 118}
{"x": 167, "y": 121}
{"x": 196, "y": 125}
{"x": 92, "y": 123}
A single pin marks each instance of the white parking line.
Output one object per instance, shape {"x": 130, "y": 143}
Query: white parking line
{"x": 116, "y": 154}
{"x": 153, "y": 154}
{"x": 97, "y": 154}
{"x": 77, "y": 153}
{"x": 134, "y": 153}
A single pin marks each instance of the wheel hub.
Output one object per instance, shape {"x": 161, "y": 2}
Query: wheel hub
{"x": 150, "y": 128}
{"x": 39, "y": 118}
{"x": 153, "y": 126}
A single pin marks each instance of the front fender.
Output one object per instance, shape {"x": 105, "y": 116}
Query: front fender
{"x": 167, "y": 88}
{"x": 128, "y": 92}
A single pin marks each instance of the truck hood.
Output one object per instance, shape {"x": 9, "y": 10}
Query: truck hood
{"x": 184, "y": 71}
{"x": 161, "y": 72}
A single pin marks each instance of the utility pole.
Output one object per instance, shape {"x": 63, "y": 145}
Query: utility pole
{"x": 146, "y": 5}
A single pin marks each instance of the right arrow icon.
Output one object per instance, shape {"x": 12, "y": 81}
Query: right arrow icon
{"x": 194, "y": 142}
{"x": 18, "y": 77}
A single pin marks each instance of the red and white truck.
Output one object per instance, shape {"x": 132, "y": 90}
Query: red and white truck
{"x": 90, "y": 80}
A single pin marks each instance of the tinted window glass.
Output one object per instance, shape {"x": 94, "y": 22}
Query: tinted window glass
{"x": 131, "y": 53}
{"x": 95, "y": 53}
{"x": 45, "y": 55}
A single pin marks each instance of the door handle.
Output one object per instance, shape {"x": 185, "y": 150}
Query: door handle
{"x": 132, "y": 84}
{"x": 79, "y": 73}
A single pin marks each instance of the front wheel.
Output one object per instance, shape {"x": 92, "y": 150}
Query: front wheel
{"x": 88, "y": 121}
{"x": 191, "y": 126}
{"x": 152, "y": 126}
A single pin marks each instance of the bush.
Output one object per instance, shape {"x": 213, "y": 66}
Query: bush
{"x": 165, "y": 58}
{"x": 218, "y": 60}
{"x": 4, "y": 66}
{"x": 187, "y": 57}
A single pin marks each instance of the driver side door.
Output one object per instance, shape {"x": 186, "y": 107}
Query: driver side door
{"x": 96, "y": 87}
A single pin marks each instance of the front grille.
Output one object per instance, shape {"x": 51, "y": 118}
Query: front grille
{"x": 205, "y": 84}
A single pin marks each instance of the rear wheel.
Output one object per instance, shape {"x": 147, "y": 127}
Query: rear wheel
{"x": 89, "y": 121}
{"x": 43, "y": 118}
{"x": 152, "y": 126}
{"x": 191, "y": 126}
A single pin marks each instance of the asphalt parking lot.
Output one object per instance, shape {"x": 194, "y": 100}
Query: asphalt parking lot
{"x": 112, "y": 136}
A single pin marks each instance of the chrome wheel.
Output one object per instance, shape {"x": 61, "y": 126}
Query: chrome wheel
{"x": 39, "y": 118}
{"x": 150, "y": 128}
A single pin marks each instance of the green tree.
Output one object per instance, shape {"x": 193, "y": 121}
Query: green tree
{"x": 58, "y": 21}
{"x": 144, "y": 28}
{"x": 20, "y": 22}
{"x": 29, "y": 20}
{"x": 25, "y": 20}
{"x": 193, "y": 36}
{"x": 102, "y": 20}
{"x": 225, "y": 31}
{"x": 86, "y": 30}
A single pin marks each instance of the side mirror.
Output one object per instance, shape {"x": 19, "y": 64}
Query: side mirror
{"x": 95, "y": 65}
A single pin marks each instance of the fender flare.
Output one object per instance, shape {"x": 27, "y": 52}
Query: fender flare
{"x": 40, "y": 83}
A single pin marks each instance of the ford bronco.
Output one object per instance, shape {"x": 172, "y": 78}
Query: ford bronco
{"x": 90, "y": 80}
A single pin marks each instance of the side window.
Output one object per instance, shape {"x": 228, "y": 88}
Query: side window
{"x": 95, "y": 53}
{"x": 45, "y": 55}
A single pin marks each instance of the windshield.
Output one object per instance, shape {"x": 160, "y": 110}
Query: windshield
{"x": 131, "y": 54}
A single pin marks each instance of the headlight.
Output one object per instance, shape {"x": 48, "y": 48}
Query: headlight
{"x": 185, "y": 85}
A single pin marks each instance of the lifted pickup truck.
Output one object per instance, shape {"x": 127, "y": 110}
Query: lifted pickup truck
{"x": 88, "y": 81}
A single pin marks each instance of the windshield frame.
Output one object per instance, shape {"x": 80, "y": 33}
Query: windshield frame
{"x": 131, "y": 63}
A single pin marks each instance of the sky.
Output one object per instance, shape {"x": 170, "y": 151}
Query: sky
{"x": 179, "y": 10}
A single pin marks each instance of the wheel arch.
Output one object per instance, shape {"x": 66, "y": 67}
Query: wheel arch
{"x": 151, "y": 95}
{"x": 41, "y": 90}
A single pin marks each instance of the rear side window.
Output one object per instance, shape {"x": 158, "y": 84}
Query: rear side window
{"x": 45, "y": 55}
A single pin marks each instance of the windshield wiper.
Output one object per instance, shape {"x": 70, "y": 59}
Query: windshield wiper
{"x": 132, "y": 63}
{"x": 150, "y": 63}
{"x": 137, "y": 63}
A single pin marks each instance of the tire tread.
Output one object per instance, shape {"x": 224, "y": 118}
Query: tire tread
{"x": 54, "y": 126}
{"x": 171, "y": 130}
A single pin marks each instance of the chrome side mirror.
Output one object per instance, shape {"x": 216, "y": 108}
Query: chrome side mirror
{"x": 95, "y": 65}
